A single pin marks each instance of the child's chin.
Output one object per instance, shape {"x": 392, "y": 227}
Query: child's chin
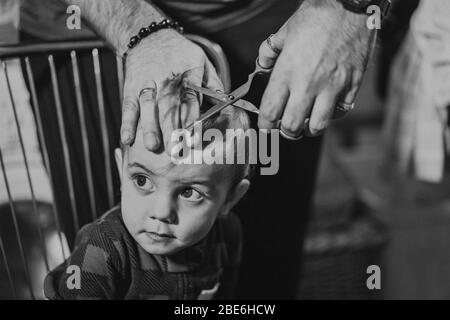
{"x": 160, "y": 249}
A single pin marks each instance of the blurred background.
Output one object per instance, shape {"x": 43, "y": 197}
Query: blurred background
{"x": 367, "y": 208}
{"x": 373, "y": 203}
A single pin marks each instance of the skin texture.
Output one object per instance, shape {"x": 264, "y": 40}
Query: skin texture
{"x": 181, "y": 201}
{"x": 324, "y": 53}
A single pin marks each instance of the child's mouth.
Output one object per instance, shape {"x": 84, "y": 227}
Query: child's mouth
{"x": 159, "y": 236}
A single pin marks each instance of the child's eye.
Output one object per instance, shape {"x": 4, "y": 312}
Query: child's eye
{"x": 191, "y": 195}
{"x": 142, "y": 182}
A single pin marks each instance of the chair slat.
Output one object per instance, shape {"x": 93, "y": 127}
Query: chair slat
{"x": 84, "y": 135}
{"x": 64, "y": 142}
{"x": 103, "y": 127}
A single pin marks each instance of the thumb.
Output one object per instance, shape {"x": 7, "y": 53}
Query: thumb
{"x": 270, "y": 49}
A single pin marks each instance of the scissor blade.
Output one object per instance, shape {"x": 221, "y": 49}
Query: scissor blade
{"x": 243, "y": 104}
{"x": 232, "y": 98}
{"x": 246, "y": 105}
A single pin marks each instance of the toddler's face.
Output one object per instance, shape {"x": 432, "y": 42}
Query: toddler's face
{"x": 169, "y": 207}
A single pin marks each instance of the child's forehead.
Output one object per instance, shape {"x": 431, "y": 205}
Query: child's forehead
{"x": 162, "y": 165}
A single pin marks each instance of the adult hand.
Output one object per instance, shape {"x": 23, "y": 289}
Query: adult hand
{"x": 324, "y": 52}
{"x": 158, "y": 58}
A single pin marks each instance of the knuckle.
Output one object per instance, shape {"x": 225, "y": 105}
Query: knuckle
{"x": 147, "y": 96}
{"x": 340, "y": 77}
{"x": 328, "y": 67}
{"x": 316, "y": 127}
{"x": 270, "y": 114}
{"x": 129, "y": 105}
{"x": 291, "y": 124}
{"x": 189, "y": 97}
{"x": 128, "y": 125}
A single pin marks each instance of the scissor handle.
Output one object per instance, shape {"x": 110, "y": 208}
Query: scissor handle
{"x": 260, "y": 69}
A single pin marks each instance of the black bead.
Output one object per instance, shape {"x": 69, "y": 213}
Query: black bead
{"x": 154, "y": 27}
{"x": 134, "y": 41}
{"x": 144, "y": 32}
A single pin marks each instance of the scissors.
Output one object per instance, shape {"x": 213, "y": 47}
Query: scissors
{"x": 234, "y": 98}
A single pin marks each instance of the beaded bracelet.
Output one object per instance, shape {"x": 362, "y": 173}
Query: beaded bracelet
{"x": 152, "y": 28}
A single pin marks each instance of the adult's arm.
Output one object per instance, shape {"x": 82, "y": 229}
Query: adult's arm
{"x": 324, "y": 53}
{"x": 155, "y": 59}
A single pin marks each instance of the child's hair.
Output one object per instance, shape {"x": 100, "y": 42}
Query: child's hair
{"x": 233, "y": 118}
{"x": 229, "y": 118}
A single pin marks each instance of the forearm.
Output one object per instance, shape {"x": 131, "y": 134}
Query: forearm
{"x": 117, "y": 20}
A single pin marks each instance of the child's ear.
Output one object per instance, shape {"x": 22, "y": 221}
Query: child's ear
{"x": 118, "y": 155}
{"x": 235, "y": 195}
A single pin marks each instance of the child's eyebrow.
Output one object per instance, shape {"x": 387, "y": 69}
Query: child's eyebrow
{"x": 206, "y": 182}
{"x": 141, "y": 166}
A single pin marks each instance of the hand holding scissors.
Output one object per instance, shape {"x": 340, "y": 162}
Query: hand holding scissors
{"x": 235, "y": 98}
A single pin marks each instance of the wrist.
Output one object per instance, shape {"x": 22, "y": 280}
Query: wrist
{"x": 149, "y": 31}
{"x": 132, "y": 29}
{"x": 154, "y": 45}
{"x": 336, "y": 14}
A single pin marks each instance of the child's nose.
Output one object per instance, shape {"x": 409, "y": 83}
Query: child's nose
{"x": 163, "y": 209}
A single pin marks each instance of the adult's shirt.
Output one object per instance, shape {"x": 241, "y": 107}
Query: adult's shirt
{"x": 46, "y": 19}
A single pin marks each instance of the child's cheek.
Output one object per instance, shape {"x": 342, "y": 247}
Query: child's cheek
{"x": 195, "y": 222}
{"x": 132, "y": 208}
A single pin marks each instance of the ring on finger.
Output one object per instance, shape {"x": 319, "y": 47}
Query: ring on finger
{"x": 145, "y": 90}
{"x": 345, "y": 107}
{"x": 290, "y": 137}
